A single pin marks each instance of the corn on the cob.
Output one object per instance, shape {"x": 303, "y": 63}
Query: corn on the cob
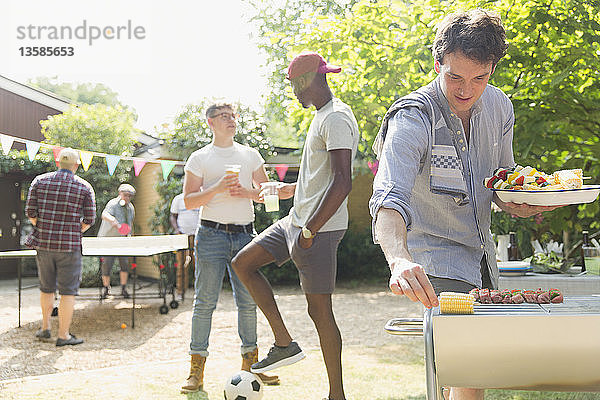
{"x": 456, "y": 303}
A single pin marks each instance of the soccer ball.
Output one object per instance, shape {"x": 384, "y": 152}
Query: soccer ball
{"x": 243, "y": 385}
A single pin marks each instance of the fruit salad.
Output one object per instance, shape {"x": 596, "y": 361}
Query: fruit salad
{"x": 528, "y": 178}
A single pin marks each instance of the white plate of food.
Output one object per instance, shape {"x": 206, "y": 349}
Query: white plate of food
{"x": 585, "y": 194}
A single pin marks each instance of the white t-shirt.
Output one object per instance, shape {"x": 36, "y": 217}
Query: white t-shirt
{"x": 187, "y": 220}
{"x": 333, "y": 127}
{"x": 209, "y": 163}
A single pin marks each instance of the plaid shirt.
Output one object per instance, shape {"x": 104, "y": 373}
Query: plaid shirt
{"x": 60, "y": 201}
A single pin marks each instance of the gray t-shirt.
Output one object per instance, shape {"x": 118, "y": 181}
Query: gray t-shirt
{"x": 123, "y": 214}
{"x": 333, "y": 127}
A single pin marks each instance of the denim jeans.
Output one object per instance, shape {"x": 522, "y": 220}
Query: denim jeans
{"x": 214, "y": 251}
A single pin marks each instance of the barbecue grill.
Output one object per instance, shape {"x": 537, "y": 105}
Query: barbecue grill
{"x": 553, "y": 347}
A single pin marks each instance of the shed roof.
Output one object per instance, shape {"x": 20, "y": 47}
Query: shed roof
{"x": 34, "y": 94}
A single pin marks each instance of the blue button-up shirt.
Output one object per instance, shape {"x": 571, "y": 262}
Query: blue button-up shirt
{"x": 446, "y": 236}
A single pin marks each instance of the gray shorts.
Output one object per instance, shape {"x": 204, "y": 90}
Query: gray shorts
{"x": 453, "y": 285}
{"x": 107, "y": 263}
{"x": 317, "y": 265}
{"x": 59, "y": 267}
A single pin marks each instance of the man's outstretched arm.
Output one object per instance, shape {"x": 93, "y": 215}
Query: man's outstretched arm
{"x": 407, "y": 278}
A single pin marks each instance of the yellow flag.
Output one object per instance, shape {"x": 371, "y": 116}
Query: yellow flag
{"x": 86, "y": 159}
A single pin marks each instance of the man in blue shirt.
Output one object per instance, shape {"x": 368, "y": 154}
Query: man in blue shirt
{"x": 431, "y": 212}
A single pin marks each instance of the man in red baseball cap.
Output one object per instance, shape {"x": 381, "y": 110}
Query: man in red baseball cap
{"x": 310, "y": 234}
{"x": 307, "y": 75}
{"x": 309, "y": 62}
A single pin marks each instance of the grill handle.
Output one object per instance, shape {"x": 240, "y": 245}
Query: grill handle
{"x": 405, "y": 326}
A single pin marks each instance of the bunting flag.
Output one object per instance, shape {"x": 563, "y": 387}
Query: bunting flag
{"x": 111, "y": 163}
{"x": 32, "y": 149}
{"x": 7, "y": 143}
{"x": 167, "y": 167}
{"x": 138, "y": 164}
{"x": 86, "y": 159}
{"x": 56, "y": 150}
{"x": 373, "y": 166}
{"x": 113, "y": 160}
{"x": 281, "y": 170}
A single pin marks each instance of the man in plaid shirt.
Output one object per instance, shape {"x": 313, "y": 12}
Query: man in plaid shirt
{"x": 61, "y": 206}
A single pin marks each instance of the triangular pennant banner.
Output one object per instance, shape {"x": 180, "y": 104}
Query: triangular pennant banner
{"x": 281, "y": 170}
{"x": 111, "y": 163}
{"x": 373, "y": 166}
{"x": 56, "y": 150}
{"x": 138, "y": 164}
{"x": 167, "y": 167}
{"x": 32, "y": 149}
{"x": 7, "y": 143}
{"x": 86, "y": 159}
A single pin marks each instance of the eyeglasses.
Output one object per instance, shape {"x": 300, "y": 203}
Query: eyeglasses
{"x": 226, "y": 116}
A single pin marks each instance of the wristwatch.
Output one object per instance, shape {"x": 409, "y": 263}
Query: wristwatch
{"x": 306, "y": 233}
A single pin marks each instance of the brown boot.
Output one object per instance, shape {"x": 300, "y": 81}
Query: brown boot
{"x": 252, "y": 357}
{"x": 196, "y": 379}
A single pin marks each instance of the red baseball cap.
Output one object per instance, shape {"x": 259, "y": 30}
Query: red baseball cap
{"x": 309, "y": 62}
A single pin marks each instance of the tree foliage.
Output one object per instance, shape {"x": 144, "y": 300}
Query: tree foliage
{"x": 80, "y": 93}
{"x": 17, "y": 163}
{"x": 99, "y": 128}
{"x": 384, "y": 47}
{"x": 190, "y": 132}
{"x": 94, "y": 127}
{"x": 278, "y": 28}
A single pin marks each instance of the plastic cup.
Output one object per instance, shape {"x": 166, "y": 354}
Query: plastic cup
{"x": 270, "y": 192}
{"x": 233, "y": 169}
{"x": 592, "y": 260}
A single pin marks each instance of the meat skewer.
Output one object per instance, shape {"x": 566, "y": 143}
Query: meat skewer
{"x": 517, "y": 296}
{"x": 555, "y": 296}
{"x": 496, "y": 297}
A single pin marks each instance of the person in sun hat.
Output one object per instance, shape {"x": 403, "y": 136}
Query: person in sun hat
{"x": 61, "y": 206}
{"x": 117, "y": 220}
{"x": 312, "y": 231}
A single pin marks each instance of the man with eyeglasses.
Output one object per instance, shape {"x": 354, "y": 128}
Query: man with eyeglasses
{"x": 312, "y": 231}
{"x": 223, "y": 178}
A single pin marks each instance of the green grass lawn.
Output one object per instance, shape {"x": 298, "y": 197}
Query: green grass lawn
{"x": 391, "y": 372}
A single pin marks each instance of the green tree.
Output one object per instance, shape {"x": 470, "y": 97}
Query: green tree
{"x": 550, "y": 73}
{"x": 97, "y": 128}
{"x": 280, "y": 25}
{"x": 552, "y": 78}
{"x": 92, "y": 127}
{"x": 80, "y": 93}
{"x": 188, "y": 133}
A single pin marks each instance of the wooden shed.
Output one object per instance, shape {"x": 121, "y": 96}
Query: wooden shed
{"x": 21, "y": 109}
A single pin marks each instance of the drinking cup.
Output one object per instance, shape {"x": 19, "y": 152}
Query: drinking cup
{"x": 270, "y": 191}
{"x": 233, "y": 169}
{"x": 592, "y": 260}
